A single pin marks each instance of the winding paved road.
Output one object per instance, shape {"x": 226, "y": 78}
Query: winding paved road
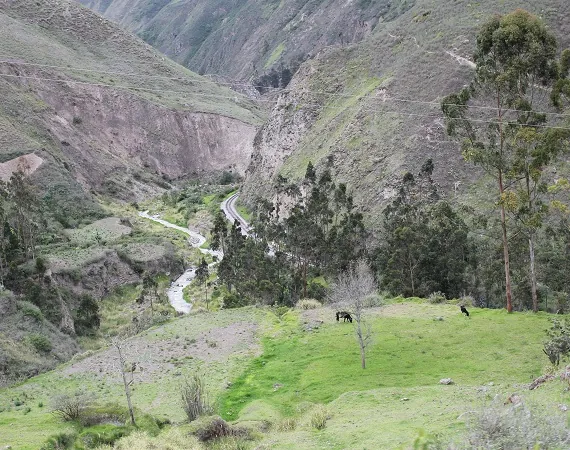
{"x": 229, "y": 208}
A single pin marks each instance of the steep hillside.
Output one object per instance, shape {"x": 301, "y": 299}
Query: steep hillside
{"x": 101, "y": 108}
{"x": 247, "y": 39}
{"x": 372, "y": 109}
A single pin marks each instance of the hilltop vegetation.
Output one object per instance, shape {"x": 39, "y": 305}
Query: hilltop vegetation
{"x": 373, "y": 108}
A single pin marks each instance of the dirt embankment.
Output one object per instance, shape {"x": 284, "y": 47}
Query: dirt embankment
{"x": 154, "y": 358}
{"x": 27, "y": 164}
{"x": 110, "y": 269}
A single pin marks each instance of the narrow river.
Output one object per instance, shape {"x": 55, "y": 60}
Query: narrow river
{"x": 175, "y": 292}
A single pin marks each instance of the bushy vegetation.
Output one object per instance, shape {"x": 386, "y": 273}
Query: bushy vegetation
{"x": 517, "y": 426}
{"x": 319, "y": 417}
{"x": 39, "y": 342}
{"x": 557, "y": 345}
{"x": 214, "y": 428}
{"x": 71, "y": 407}
{"x": 195, "y": 401}
{"x": 308, "y": 303}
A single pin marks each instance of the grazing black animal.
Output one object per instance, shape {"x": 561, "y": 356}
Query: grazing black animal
{"x": 343, "y": 315}
{"x": 464, "y": 311}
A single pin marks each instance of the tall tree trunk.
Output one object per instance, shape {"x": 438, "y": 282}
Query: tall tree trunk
{"x": 305, "y": 279}
{"x": 411, "y": 273}
{"x": 505, "y": 249}
{"x": 362, "y": 357}
{"x": 126, "y": 383}
{"x": 361, "y": 341}
{"x": 533, "y": 284}
{"x": 503, "y": 217}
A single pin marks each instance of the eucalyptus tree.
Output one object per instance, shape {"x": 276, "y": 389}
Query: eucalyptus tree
{"x": 534, "y": 149}
{"x": 515, "y": 61}
{"x": 202, "y": 274}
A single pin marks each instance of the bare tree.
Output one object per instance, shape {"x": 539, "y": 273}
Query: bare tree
{"x": 118, "y": 344}
{"x": 69, "y": 407}
{"x": 349, "y": 293}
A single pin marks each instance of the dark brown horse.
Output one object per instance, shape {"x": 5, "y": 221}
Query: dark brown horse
{"x": 343, "y": 315}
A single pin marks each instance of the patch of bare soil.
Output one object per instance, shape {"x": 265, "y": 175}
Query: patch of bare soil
{"x": 155, "y": 358}
{"x": 27, "y": 164}
{"x": 323, "y": 315}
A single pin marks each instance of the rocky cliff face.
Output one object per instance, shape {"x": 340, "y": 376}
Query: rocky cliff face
{"x": 112, "y": 136}
{"x": 264, "y": 40}
{"x": 372, "y": 109}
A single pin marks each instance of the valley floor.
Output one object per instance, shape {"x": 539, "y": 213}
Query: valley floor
{"x": 265, "y": 367}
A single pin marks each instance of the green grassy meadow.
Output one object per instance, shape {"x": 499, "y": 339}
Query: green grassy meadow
{"x": 407, "y": 352}
{"x": 286, "y": 371}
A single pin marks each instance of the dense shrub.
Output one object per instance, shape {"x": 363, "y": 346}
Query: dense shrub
{"x": 517, "y": 427}
{"x": 40, "y": 342}
{"x": 60, "y": 441}
{"x": 194, "y": 398}
{"x": 558, "y": 344}
{"x": 102, "y": 434}
{"x": 87, "y": 318}
{"x": 372, "y": 301}
{"x": 319, "y": 417}
{"x": 216, "y": 427}
{"x": 437, "y": 297}
{"x": 70, "y": 407}
{"x": 232, "y": 300}
{"x": 308, "y": 303}
{"x": 30, "y": 310}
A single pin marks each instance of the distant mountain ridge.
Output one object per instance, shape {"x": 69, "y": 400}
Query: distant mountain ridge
{"x": 259, "y": 40}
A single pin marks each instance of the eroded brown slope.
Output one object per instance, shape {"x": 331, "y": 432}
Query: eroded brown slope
{"x": 101, "y": 106}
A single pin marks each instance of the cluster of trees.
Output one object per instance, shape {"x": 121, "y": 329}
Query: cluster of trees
{"x": 506, "y": 123}
{"x": 23, "y": 221}
{"x": 320, "y": 233}
{"x": 427, "y": 244}
{"x": 424, "y": 245}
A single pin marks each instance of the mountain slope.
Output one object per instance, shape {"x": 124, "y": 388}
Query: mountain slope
{"x": 372, "y": 109}
{"x": 245, "y": 39}
{"x": 101, "y": 108}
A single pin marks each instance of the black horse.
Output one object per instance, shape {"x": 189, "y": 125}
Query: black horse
{"x": 464, "y": 311}
{"x": 343, "y": 315}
